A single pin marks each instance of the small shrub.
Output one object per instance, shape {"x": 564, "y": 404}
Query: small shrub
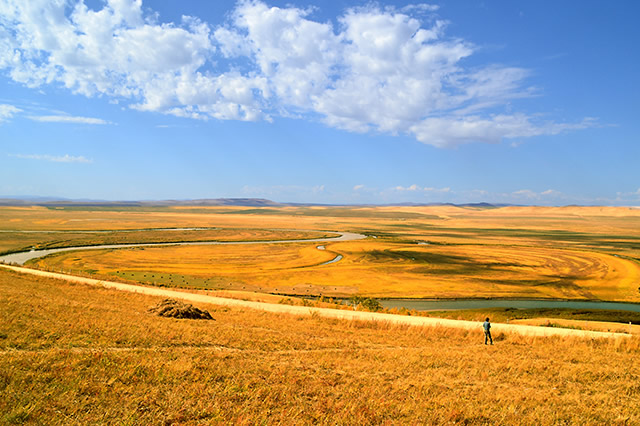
{"x": 367, "y": 303}
{"x": 171, "y": 308}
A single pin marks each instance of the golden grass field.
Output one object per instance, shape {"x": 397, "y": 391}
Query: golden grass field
{"x": 418, "y": 252}
{"x": 77, "y": 354}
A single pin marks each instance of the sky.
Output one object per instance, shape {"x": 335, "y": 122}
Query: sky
{"x": 336, "y": 102}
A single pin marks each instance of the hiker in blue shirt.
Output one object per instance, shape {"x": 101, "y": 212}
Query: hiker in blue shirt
{"x": 487, "y": 331}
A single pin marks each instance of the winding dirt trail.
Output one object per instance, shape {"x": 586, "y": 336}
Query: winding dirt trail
{"x": 323, "y": 312}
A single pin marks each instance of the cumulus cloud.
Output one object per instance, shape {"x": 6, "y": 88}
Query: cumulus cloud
{"x": 378, "y": 69}
{"x": 67, "y": 119}
{"x": 7, "y": 112}
{"x": 53, "y": 158}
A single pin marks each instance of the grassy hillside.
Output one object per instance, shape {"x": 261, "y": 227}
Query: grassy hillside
{"x": 73, "y": 354}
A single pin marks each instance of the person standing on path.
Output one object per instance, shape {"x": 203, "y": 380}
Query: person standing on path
{"x": 486, "y": 325}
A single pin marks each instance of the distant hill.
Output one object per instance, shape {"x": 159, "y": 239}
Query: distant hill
{"x": 241, "y": 202}
{"x": 61, "y": 202}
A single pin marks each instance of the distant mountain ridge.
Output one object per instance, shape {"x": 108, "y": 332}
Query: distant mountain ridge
{"x": 204, "y": 202}
{"x": 62, "y": 202}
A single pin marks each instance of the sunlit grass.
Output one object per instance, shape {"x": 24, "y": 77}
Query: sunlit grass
{"x": 373, "y": 267}
{"x": 441, "y": 251}
{"x": 74, "y": 354}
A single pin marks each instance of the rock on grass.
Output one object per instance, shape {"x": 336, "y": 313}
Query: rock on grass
{"x": 171, "y": 308}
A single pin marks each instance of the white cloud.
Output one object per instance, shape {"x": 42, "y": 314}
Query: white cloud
{"x": 527, "y": 193}
{"x": 53, "y": 158}
{"x": 7, "y": 112}
{"x": 67, "y": 119}
{"x": 358, "y": 187}
{"x": 442, "y": 190}
{"x": 450, "y": 131}
{"x": 380, "y": 70}
{"x": 415, "y": 188}
{"x": 532, "y": 195}
{"x": 421, "y": 7}
{"x": 628, "y": 196}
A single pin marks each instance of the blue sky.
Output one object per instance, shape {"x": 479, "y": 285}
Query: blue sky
{"x": 326, "y": 102}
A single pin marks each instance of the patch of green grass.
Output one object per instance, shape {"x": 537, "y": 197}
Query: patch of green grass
{"x": 508, "y": 314}
{"x": 556, "y": 325}
{"x": 174, "y": 280}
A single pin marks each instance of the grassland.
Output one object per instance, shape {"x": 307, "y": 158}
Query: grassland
{"x": 376, "y": 268}
{"x": 17, "y": 241}
{"x": 74, "y": 354}
{"x": 443, "y": 251}
{"x": 582, "y": 318}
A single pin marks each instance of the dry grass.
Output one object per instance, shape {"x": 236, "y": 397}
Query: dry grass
{"x": 377, "y": 268}
{"x": 15, "y": 241}
{"x": 73, "y": 354}
{"x": 521, "y": 252}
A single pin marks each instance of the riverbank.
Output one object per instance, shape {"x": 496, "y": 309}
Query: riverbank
{"x": 513, "y": 303}
{"x": 20, "y": 258}
{"x": 324, "y": 312}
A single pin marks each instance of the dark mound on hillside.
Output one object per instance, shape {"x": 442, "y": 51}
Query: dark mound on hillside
{"x": 171, "y": 308}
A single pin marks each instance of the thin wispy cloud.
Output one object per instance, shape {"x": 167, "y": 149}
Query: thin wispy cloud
{"x": 628, "y": 196}
{"x": 387, "y": 70}
{"x": 527, "y": 194}
{"x": 416, "y": 188}
{"x": 53, "y": 158}
{"x": 282, "y": 191}
{"x": 7, "y": 112}
{"x": 67, "y": 119}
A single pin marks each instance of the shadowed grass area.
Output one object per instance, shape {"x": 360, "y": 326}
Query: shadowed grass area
{"x": 72, "y": 354}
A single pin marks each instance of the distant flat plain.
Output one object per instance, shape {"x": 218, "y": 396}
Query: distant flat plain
{"x": 576, "y": 253}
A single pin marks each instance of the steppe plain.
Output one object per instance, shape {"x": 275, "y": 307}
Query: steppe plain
{"x": 76, "y": 354}
{"x": 588, "y": 253}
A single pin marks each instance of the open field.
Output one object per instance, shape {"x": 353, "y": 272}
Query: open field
{"x": 440, "y": 252}
{"x": 377, "y": 268}
{"x": 76, "y": 354}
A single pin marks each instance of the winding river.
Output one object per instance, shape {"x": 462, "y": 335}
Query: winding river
{"x": 418, "y": 304}
{"x": 22, "y": 257}
{"x": 450, "y": 305}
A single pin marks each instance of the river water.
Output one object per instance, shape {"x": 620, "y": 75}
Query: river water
{"x": 22, "y": 257}
{"x": 417, "y": 304}
{"x": 442, "y": 305}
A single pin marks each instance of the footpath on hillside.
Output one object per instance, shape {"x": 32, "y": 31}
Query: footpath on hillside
{"x": 527, "y": 330}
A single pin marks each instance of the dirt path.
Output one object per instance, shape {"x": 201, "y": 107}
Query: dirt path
{"x": 324, "y": 312}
